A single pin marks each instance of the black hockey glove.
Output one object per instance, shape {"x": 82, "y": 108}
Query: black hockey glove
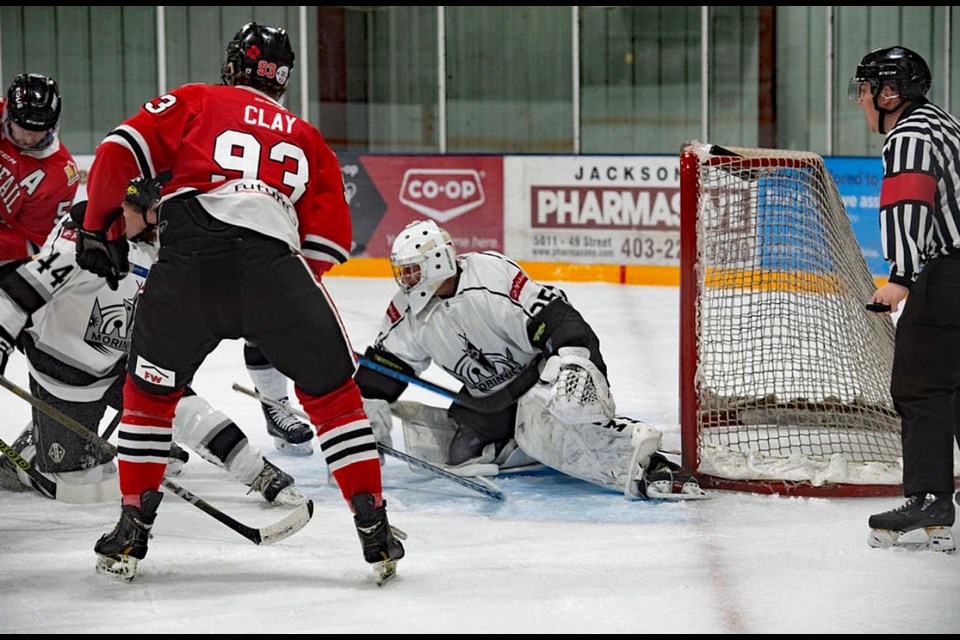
{"x": 106, "y": 258}
{"x": 6, "y": 348}
{"x": 145, "y": 192}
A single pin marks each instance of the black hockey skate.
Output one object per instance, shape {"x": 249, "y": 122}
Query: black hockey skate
{"x": 665, "y": 480}
{"x": 934, "y": 513}
{"x": 177, "y": 458}
{"x": 290, "y": 434}
{"x": 276, "y": 486}
{"x": 381, "y": 542}
{"x": 118, "y": 551}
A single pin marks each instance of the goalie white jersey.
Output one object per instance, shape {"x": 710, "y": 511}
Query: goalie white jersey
{"x": 480, "y": 334}
{"x": 76, "y": 320}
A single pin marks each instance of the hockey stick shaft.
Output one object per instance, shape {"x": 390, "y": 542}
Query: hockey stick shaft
{"x": 112, "y": 426}
{"x": 42, "y": 481}
{"x": 493, "y": 403}
{"x": 488, "y": 491}
{"x": 273, "y": 533}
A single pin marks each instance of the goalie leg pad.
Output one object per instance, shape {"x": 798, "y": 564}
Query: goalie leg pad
{"x": 602, "y": 453}
{"x": 427, "y": 431}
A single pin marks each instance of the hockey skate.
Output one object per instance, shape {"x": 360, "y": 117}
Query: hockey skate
{"x": 473, "y": 454}
{"x": 664, "y": 480}
{"x": 381, "y": 542}
{"x": 290, "y": 434}
{"x": 276, "y": 486}
{"x": 933, "y": 513}
{"x": 178, "y": 457}
{"x": 119, "y": 551}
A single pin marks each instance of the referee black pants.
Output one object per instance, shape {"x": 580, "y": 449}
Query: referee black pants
{"x": 926, "y": 377}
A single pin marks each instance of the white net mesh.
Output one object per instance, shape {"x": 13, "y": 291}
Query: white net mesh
{"x": 792, "y": 373}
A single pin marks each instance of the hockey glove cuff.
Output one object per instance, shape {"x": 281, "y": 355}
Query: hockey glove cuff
{"x": 105, "y": 258}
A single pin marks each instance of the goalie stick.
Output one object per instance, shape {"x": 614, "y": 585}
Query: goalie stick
{"x": 483, "y": 486}
{"x": 491, "y": 404}
{"x": 290, "y": 524}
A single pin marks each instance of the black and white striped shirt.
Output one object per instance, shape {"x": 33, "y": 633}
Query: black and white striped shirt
{"x": 920, "y": 195}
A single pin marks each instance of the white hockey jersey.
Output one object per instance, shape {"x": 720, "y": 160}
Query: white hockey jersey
{"x": 76, "y": 318}
{"x": 479, "y": 335}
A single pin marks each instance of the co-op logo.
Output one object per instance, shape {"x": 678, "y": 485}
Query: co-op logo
{"x": 442, "y": 194}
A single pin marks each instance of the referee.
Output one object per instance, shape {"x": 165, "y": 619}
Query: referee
{"x": 920, "y": 230}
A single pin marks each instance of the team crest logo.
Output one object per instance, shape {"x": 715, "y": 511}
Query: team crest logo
{"x": 73, "y": 174}
{"x": 109, "y": 326}
{"x": 484, "y": 371}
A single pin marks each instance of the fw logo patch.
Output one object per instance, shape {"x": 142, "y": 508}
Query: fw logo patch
{"x": 153, "y": 374}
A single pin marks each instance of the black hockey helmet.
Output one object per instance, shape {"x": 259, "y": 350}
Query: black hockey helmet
{"x": 898, "y": 67}
{"x": 903, "y": 69}
{"x": 33, "y": 102}
{"x": 262, "y": 55}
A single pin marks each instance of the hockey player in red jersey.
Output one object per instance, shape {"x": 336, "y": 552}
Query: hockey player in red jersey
{"x": 38, "y": 176}
{"x": 253, "y": 216}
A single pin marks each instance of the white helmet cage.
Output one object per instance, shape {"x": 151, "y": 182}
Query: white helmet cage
{"x": 422, "y": 258}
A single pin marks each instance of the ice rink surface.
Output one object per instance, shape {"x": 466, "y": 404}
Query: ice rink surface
{"x": 557, "y": 556}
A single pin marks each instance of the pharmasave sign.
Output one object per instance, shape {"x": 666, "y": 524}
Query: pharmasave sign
{"x": 593, "y": 209}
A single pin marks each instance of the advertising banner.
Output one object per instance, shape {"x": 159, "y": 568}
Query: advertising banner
{"x": 463, "y": 194}
{"x": 618, "y": 210}
{"x": 593, "y": 209}
{"x": 858, "y": 181}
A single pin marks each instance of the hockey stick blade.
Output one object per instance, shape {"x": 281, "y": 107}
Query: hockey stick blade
{"x": 289, "y": 525}
{"x": 486, "y": 488}
{"x": 283, "y": 529}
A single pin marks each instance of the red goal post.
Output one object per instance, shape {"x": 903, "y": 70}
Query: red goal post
{"x": 784, "y": 376}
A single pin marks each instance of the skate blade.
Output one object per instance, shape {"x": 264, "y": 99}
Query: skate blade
{"x": 384, "y": 571}
{"x": 123, "y": 569}
{"x": 663, "y": 490}
{"x": 937, "y": 539}
{"x": 289, "y": 448}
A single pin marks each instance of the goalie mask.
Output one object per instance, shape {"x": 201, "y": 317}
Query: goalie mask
{"x": 423, "y": 257}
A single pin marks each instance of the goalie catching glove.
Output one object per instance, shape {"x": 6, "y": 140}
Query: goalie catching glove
{"x": 573, "y": 389}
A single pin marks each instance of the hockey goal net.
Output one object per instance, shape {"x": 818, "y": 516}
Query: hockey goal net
{"x": 784, "y": 375}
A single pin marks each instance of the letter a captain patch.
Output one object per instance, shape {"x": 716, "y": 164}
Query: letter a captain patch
{"x": 153, "y": 374}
